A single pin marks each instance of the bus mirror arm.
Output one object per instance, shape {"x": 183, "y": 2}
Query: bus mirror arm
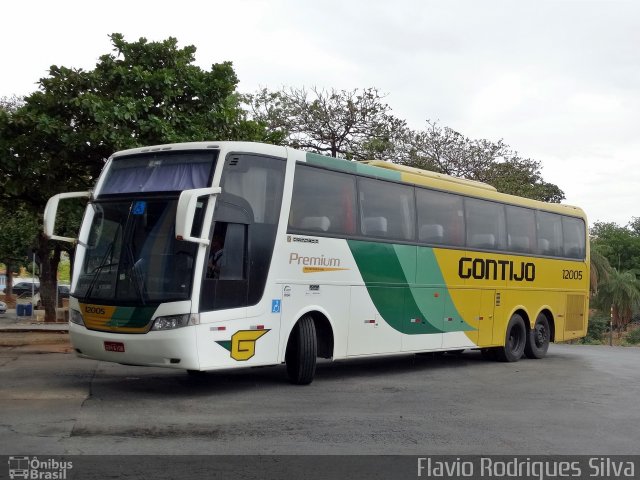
{"x": 186, "y": 212}
{"x": 51, "y": 210}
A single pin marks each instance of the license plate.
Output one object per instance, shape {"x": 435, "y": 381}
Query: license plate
{"x": 114, "y": 347}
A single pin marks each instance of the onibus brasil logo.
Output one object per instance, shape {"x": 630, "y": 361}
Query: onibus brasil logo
{"x": 33, "y": 468}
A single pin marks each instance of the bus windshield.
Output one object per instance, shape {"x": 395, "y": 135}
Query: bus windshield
{"x": 132, "y": 256}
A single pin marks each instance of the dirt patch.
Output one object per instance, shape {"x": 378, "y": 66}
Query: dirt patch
{"x": 36, "y": 342}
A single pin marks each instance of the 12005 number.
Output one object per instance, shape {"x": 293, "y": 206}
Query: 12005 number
{"x": 572, "y": 274}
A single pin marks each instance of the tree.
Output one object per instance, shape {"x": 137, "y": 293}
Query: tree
{"x": 621, "y": 245}
{"x": 144, "y": 93}
{"x": 522, "y": 177}
{"x": 353, "y": 124}
{"x": 599, "y": 269}
{"x": 18, "y": 233}
{"x": 621, "y": 293}
{"x": 443, "y": 150}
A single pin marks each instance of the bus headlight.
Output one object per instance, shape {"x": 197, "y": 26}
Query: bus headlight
{"x": 175, "y": 321}
{"x": 76, "y": 317}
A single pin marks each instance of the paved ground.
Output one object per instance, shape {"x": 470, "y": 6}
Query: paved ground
{"x": 578, "y": 400}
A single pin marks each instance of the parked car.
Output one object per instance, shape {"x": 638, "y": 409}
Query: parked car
{"x": 63, "y": 292}
{"x": 22, "y": 288}
{"x": 3, "y": 307}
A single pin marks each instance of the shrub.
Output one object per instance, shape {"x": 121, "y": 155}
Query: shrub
{"x": 633, "y": 337}
{"x": 598, "y": 326}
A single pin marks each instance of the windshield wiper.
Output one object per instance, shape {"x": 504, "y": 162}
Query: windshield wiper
{"x": 136, "y": 275}
{"x": 98, "y": 269}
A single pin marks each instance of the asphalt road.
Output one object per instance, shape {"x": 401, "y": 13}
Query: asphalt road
{"x": 579, "y": 400}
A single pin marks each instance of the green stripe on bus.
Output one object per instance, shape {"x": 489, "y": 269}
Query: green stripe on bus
{"x": 389, "y": 273}
{"x": 132, "y": 317}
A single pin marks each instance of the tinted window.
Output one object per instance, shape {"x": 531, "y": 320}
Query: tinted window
{"x": 159, "y": 172}
{"x": 485, "y": 224}
{"x": 256, "y": 181}
{"x": 387, "y": 210}
{"x": 574, "y": 237}
{"x": 323, "y": 201}
{"x": 550, "y": 234}
{"x": 243, "y": 235}
{"x": 440, "y": 218}
{"x": 521, "y": 229}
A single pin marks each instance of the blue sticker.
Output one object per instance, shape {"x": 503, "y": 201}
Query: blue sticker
{"x": 275, "y": 306}
{"x": 139, "y": 207}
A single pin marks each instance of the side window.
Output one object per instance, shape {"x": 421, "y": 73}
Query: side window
{"x": 550, "y": 234}
{"x": 323, "y": 202}
{"x": 574, "y": 237}
{"x": 258, "y": 181}
{"x": 228, "y": 252}
{"x": 244, "y": 230}
{"x": 440, "y": 218}
{"x": 485, "y": 224}
{"x": 521, "y": 229}
{"x": 387, "y": 210}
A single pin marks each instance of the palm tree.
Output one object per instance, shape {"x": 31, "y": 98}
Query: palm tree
{"x": 620, "y": 291}
{"x": 599, "y": 271}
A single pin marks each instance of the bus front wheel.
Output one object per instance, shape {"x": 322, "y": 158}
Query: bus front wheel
{"x": 302, "y": 351}
{"x": 538, "y": 338}
{"x": 515, "y": 340}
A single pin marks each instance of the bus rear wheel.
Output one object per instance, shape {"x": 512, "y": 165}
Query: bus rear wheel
{"x": 538, "y": 338}
{"x": 302, "y": 351}
{"x": 515, "y": 340}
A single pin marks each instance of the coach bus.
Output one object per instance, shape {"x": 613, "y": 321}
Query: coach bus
{"x": 207, "y": 256}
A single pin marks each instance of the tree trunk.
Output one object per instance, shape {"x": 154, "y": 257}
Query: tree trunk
{"x": 49, "y": 261}
{"x": 9, "y": 266}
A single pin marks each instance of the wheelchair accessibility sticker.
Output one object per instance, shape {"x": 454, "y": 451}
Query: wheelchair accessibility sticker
{"x": 275, "y": 306}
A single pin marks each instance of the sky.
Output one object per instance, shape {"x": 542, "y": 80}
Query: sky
{"x": 558, "y": 81}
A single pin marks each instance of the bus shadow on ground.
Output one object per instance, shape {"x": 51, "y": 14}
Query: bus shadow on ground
{"x": 182, "y": 384}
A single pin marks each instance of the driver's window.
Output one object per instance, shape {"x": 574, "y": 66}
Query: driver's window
{"x": 225, "y": 284}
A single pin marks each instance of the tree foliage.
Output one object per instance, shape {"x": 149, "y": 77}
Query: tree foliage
{"x": 443, "y": 150}
{"x": 620, "y": 292}
{"x": 143, "y": 93}
{"x": 599, "y": 270}
{"x": 354, "y": 124}
{"x": 18, "y": 233}
{"x": 359, "y": 125}
{"x": 620, "y": 245}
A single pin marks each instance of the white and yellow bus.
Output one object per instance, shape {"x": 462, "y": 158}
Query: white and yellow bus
{"x": 207, "y": 256}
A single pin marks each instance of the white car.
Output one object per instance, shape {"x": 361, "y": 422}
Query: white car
{"x": 3, "y": 307}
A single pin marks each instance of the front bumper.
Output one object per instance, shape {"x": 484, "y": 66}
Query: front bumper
{"x": 170, "y": 348}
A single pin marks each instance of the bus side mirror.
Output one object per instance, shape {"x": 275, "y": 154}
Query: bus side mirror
{"x": 51, "y": 210}
{"x": 186, "y": 212}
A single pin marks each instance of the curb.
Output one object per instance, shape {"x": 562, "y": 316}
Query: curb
{"x": 36, "y": 330}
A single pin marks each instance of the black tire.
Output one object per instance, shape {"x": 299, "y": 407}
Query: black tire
{"x": 302, "y": 351}
{"x": 514, "y": 342}
{"x": 538, "y": 338}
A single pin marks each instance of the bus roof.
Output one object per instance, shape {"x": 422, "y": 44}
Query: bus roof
{"x": 376, "y": 168}
{"x": 438, "y": 181}
{"x": 430, "y": 174}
